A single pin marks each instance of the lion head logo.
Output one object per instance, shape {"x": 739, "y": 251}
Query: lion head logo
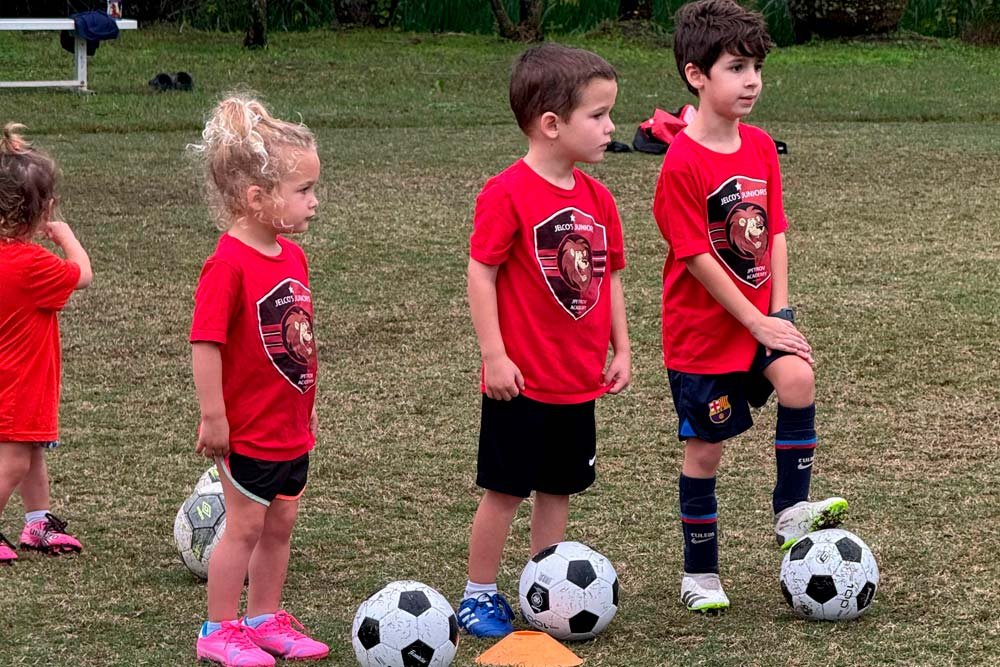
{"x": 748, "y": 231}
{"x": 297, "y": 334}
{"x": 575, "y": 264}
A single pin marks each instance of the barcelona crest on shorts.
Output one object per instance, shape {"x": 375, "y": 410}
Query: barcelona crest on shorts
{"x": 572, "y": 251}
{"x": 719, "y": 410}
{"x": 737, "y": 229}
{"x": 285, "y": 316}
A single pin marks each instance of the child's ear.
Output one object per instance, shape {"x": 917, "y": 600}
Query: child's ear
{"x": 548, "y": 125}
{"x": 695, "y": 76}
{"x": 255, "y": 198}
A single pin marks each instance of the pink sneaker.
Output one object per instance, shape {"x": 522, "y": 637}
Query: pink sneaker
{"x": 49, "y": 536}
{"x": 278, "y": 637}
{"x": 230, "y": 646}
{"x": 7, "y": 553}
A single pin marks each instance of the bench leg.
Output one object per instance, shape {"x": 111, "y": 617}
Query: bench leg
{"x": 81, "y": 64}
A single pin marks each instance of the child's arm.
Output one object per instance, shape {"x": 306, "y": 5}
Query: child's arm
{"x": 619, "y": 372}
{"x": 213, "y": 432}
{"x": 61, "y": 234}
{"x": 779, "y": 272}
{"x": 503, "y": 378}
{"x": 772, "y": 332}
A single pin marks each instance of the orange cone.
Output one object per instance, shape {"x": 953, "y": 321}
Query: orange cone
{"x": 529, "y": 649}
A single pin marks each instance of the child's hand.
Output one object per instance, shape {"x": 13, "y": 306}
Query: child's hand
{"x": 619, "y": 372}
{"x": 213, "y": 437}
{"x": 503, "y": 379}
{"x": 777, "y": 334}
{"x": 58, "y": 232}
{"x": 314, "y": 423}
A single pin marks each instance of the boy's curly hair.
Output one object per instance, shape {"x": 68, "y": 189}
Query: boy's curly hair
{"x": 28, "y": 179}
{"x": 244, "y": 145}
{"x": 705, "y": 29}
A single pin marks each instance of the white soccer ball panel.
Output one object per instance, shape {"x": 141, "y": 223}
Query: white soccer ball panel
{"x": 551, "y": 570}
{"x": 574, "y": 551}
{"x": 599, "y": 597}
{"x": 398, "y": 629}
{"x": 432, "y": 628}
{"x": 527, "y": 579}
{"x": 566, "y": 599}
{"x": 210, "y": 476}
{"x": 605, "y": 619}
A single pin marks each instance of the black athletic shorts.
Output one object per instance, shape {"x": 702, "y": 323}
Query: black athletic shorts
{"x": 264, "y": 481}
{"x": 526, "y": 446}
{"x": 717, "y": 407}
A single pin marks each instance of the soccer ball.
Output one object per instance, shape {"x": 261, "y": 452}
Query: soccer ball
{"x": 569, "y": 591}
{"x": 829, "y": 575}
{"x": 210, "y": 476}
{"x": 198, "y": 527}
{"x": 406, "y": 624}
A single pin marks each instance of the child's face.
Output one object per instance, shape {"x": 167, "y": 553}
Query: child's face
{"x": 732, "y": 87}
{"x": 587, "y": 132}
{"x": 295, "y": 201}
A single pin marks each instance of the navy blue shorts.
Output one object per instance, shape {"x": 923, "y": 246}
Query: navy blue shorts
{"x": 717, "y": 407}
{"x": 266, "y": 481}
{"x": 526, "y": 446}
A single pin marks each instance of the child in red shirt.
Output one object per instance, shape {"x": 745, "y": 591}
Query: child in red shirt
{"x": 254, "y": 358}
{"x": 546, "y": 299}
{"x": 718, "y": 204}
{"x": 34, "y": 286}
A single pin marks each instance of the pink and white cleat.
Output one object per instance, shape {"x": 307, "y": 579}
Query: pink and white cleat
{"x": 7, "y": 554}
{"x": 49, "y": 536}
{"x": 278, "y": 637}
{"x": 230, "y": 646}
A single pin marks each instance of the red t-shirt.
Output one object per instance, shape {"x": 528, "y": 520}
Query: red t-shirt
{"x": 556, "y": 249}
{"x": 34, "y": 286}
{"x": 259, "y": 310}
{"x": 729, "y": 206}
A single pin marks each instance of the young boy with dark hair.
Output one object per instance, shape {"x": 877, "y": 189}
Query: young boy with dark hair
{"x": 546, "y": 300}
{"x": 729, "y": 337}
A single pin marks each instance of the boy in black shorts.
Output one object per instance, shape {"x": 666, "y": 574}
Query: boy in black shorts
{"x": 546, "y": 301}
{"x": 729, "y": 337}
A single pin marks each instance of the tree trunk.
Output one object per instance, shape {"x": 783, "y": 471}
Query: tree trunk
{"x": 256, "y": 37}
{"x": 529, "y": 26}
{"x": 504, "y": 24}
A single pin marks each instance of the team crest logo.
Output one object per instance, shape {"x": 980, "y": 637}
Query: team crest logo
{"x": 719, "y": 410}
{"x": 286, "y": 329}
{"x": 737, "y": 215}
{"x": 572, "y": 251}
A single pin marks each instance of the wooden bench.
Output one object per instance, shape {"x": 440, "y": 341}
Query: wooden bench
{"x": 80, "y": 82}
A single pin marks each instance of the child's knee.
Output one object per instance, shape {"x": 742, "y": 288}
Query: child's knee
{"x": 702, "y": 457}
{"x": 795, "y": 383}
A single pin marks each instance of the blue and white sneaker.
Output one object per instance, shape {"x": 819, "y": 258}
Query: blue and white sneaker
{"x": 486, "y": 616}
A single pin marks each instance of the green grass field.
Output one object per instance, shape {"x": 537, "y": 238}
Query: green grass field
{"x": 891, "y": 192}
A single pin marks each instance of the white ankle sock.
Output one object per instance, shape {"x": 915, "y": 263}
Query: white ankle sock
{"x": 31, "y": 517}
{"x": 473, "y": 589}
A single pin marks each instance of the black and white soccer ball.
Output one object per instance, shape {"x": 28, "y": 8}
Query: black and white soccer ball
{"x": 210, "y": 476}
{"x": 569, "y": 591}
{"x": 829, "y": 575}
{"x": 198, "y": 527}
{"x": 406, "y": 624}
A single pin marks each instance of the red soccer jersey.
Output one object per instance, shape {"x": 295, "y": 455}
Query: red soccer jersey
{"x": 34, "y": 286}
{"x": 729, "y": 206}
{"x": 556, "y": 249}
{"x": 259, "y": 310}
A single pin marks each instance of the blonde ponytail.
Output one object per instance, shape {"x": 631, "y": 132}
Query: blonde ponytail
{"x": 243, "y": 145}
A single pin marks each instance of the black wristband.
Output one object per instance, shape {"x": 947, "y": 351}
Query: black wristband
{"x": 785, "y": 314}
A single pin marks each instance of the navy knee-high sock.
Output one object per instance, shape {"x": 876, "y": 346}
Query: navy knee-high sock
{"x": 794, "y": 446}
{"x": 700, "y": 524}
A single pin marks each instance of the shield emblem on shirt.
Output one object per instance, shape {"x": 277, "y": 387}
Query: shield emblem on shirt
{"x": 572, "y": 252}
{"x": 285, "y": 316}
{"x": 737, "y": 229}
